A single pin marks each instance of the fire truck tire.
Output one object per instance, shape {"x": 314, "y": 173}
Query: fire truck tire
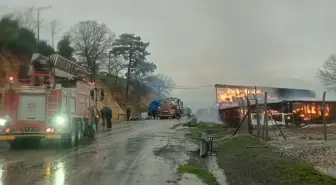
{"x": 70, "y": 140}
{"x": 80, "y": 129}
{"x": 93, "y": 126}
{"x": 15, "y": 144}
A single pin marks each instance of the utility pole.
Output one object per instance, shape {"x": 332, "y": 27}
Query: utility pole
{"x": 129, "y": 71}
{"x": 109, "y": 62}
{"x": 39, "y": 9}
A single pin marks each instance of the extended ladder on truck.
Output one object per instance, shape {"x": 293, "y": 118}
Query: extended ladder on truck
{"x": 55, "y": 66}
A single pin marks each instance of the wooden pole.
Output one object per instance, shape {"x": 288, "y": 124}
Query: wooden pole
{"x": 323, "y": 116}
{"x": 249, "y": 119}
{"x": 257, "y": 114}
{"x": 265, "y": 135}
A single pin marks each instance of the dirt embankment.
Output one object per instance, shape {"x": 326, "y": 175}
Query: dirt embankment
{"x": 110, "y": 101}
{"x": 139, "y": 98}
{"x": 115, "y": 100}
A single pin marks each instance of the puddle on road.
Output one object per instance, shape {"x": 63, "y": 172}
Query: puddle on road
{"x": 190, "y": 179}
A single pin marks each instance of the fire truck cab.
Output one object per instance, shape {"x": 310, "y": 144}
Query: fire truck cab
{"x": 58, "y": 103}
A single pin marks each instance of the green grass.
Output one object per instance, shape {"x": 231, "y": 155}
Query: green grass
{"x": 303, "y": 174}
{"x": 246, "y": 158}
{"x": 208, "y": 128}
{"x": 206, "y": 176}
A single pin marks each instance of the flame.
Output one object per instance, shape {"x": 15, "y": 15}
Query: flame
{"x": 229, "y": 94}
{"x": 311, "y": 110}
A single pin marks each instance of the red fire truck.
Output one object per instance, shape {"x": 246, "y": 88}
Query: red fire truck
{"x": 56, "y": 103}
{"x": 170, "y": 108}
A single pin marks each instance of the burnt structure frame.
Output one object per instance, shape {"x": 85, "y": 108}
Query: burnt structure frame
{"x": 231, "y": 114}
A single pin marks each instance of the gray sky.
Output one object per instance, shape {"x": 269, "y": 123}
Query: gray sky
{"x": 198, "y": 42}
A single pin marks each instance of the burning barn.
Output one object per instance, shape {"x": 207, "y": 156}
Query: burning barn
{"x": 286, "y": 105}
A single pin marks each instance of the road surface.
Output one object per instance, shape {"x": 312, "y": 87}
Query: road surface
{"x": 130, "y": 154}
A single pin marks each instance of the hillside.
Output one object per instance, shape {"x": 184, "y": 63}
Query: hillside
{"x": 140, "y": 96}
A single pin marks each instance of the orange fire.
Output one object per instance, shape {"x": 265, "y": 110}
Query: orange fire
{"x": 228, "y": 94}
{"x": 311, "y": 110}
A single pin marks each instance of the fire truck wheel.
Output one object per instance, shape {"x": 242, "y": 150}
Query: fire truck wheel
{"x": 79, "y": 129}
{"x": 15, "y": 144}
{"x": 93, "y": 126}
{"x": 70, "y": 140}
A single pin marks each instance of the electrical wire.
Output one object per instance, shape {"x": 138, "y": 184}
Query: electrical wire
{"x": 182, "y": 87}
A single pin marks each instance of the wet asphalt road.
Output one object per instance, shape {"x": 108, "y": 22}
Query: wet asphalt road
{"x": 123, "y": 156}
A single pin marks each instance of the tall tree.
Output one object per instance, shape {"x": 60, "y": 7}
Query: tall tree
{"x": 327, "y": 73}
{"x": 92, "y": 42}
{"x": 64, "y": 47}
{"x": 134, "y": 50}
{"x": 16, "y": 38}
{"x": 16, "y": 46}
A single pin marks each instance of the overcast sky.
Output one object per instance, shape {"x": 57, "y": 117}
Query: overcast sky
{"x": 198, "y": 42}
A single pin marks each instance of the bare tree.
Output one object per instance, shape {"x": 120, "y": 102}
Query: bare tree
{"x": 169, "y": 84}
{"x": 92, "y": 42}
{"x": 162, "y": 83}
{"x": 54, "y": 30}
{"x": 327, "y": 73}
{"x": 27, "y": 18}
{"x": 115, "y": 66}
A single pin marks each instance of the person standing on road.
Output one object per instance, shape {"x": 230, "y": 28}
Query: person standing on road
{"x": 103, "y": 115}
{"x": 108, "y": 117}
{"x": 154, "y": 114}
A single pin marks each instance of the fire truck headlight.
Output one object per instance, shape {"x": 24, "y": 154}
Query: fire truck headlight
{"x": 60, "y": 120}
{"x": 3, "y": 121}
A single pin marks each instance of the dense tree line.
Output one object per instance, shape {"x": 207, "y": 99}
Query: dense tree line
{"x": 91, "y": 44}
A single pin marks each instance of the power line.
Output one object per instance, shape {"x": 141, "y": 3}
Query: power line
{"x": 182, "y": 87}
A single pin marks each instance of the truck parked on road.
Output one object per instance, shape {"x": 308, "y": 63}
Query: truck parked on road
{"x": 58, "y": 102}
{"x": 170, "y": 108}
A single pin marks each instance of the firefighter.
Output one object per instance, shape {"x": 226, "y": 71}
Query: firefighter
{"x": 154, "y": 113}
{"x": 108, "y": 117}
{"x": 103, "y": 115}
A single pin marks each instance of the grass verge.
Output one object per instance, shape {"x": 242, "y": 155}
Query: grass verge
{"x": 206, "y": 176}
{"x": 208, "y": 128}
{"x": 247, "y": 160}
